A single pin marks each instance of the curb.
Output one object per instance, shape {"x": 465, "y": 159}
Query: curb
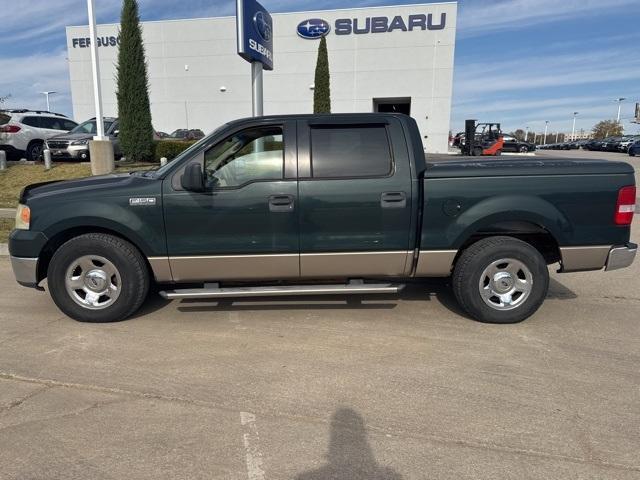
{"x": 4, "y": 250}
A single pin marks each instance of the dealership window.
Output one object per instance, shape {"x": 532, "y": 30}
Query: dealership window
{"x": 251, "y": 155}
{"x": 351, "y": 151}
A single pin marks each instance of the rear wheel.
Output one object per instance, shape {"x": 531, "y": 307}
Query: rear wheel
{"x": 34, "y": 150}
{"x": 500, "y": 280}
{"x": 98, "y": 278}
{"x": 524, "y": 149}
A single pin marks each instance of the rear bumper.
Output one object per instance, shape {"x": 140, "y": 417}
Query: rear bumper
{"x": 597, "y": 257}
{"x": 25, "y": 270}
{"x": 621, "y": 257}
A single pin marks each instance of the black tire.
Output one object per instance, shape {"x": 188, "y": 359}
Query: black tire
{"x": 524, "y": 149}
{"x": 471, "y": 266}
{"x": 34, "y": 150}
{"x": 477, "y": 152}
{"x": 130, "y": 266}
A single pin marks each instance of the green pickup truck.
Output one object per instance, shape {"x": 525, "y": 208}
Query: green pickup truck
{"x": 322, "y": 204}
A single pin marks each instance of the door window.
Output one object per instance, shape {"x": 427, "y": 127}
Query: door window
{"x": 32, "y": 122}
{"x": 248, "y": 156}
{"x": 351, "y": 151}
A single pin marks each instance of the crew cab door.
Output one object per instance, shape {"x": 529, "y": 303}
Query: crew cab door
{"x": 355, "y": 198}
{"x": 244, "y": 225}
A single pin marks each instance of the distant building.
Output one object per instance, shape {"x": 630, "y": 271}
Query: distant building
{"x": 581, "y": 135}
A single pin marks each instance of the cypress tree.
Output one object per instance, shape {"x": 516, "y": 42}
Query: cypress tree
{"x": 134, "y": 111}
{"x": 322, "y": 91}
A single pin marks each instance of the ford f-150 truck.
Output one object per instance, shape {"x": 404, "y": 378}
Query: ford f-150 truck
{"x": 322, "y": 204}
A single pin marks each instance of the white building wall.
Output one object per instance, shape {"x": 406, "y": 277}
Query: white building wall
{"x": 190, "y": 60}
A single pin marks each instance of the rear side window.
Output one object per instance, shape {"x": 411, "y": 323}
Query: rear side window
{"x": 4, "y": 118}
{"x": 52, "y": 123}
{"x": 338, "y": 152}
{"x": 32, "y": 122}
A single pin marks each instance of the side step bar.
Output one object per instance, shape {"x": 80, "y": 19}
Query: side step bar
{"x": 281, "y": 291}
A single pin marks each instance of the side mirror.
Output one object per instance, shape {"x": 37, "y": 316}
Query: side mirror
{"x": 116, "y": 133}
{"x": 192, "y": 179}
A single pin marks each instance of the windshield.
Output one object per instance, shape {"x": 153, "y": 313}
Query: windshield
{"x": 89, "y": 127}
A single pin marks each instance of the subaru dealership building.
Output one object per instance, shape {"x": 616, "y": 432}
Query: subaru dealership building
{"x": 395, "y": 58}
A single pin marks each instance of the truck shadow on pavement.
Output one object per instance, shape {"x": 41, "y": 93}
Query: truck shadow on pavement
{"x": 421, "y": 291}
{"x": 349, "y": 455}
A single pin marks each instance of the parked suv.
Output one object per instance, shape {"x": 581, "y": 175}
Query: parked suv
{"x": 75, "y": 144}
{"x": 23, "y": 132}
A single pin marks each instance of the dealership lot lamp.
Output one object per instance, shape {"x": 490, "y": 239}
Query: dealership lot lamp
{"x": 255, "y": 45}
{"x": 100, "y": 148}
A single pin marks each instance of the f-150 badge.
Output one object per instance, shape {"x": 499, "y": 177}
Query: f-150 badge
{"x": 142, "y": 201}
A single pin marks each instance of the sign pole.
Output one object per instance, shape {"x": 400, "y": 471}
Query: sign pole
{"x": 257, "y": 89}
{"x": 95, "y": 70}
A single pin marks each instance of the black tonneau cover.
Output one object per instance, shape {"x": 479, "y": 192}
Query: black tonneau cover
{"x": 514, "y": 166}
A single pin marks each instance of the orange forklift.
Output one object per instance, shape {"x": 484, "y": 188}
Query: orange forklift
{"x": 482, "y": 139}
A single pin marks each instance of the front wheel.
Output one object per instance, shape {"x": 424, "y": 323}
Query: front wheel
{"x": 500, "y": 280}
{"x": 524, "y": 149}
{"x": 98, "y": 278}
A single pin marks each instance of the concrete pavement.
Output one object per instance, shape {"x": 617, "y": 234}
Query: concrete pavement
{"x": 399, "y": 387}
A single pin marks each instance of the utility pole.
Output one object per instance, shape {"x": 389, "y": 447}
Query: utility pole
{"x": 546, "y": 128}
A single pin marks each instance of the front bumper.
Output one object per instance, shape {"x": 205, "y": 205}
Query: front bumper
{"x": 75, "y": 152}
{"x": 621, "y": 257}
{"x": 25, "y": 271}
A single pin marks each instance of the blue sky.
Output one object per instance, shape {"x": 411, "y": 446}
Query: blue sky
{"x": 519, "y": 62}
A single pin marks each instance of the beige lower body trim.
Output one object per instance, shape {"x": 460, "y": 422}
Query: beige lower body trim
{"x": 235, "y": 267}
{"x": 435, "y": 263}
{"x": 161, "y": 269}
{"x": 355, "y": 264}
{"x": 577, "y": 259}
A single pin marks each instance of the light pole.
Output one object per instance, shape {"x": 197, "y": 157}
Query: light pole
{"x": 46, "y": 94}
{"x": 526, "y": 134}
{"x": 619, "y": 100}
{"x": 95, "y": 70}
{"x": 546, "y": 128}
{"x": 573, "y": 131}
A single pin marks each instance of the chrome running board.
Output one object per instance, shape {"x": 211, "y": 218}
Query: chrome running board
{"x": 281, "y": 291}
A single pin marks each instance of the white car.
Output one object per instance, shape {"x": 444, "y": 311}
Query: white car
{"x": 23, "y": 132}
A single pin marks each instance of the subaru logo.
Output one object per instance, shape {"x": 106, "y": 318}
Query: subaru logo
{"x": 263, "y": 26}
{"x": 313, "y": 28}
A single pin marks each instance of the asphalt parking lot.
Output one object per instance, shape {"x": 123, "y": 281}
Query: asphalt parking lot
{"x": 399, "y": 387}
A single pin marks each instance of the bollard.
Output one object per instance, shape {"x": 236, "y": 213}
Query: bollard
{"x": 163, "y": 161}
{"x": 3, "y": 160}
{"x": 47, "y": 159}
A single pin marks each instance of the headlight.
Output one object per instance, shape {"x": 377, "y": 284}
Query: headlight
{"x": 23, "y": 217}
{"x": 80, "y": 142}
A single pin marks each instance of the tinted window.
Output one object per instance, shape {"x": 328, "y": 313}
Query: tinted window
{"x": 4, "y": 118}
{"x": 248, "y": 156}
{"x": 350, "y": 152}
{"x": 68, "y": 125}
{"x": 90, "y": 127}
{"x": 52, "y": 123}
{"x": 32, "y": 121}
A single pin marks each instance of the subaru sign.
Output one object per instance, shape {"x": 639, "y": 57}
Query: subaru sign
{"x": 313, "y": 28}
{"x": 316, "y": 27}
{"x": 255, "y": 33}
